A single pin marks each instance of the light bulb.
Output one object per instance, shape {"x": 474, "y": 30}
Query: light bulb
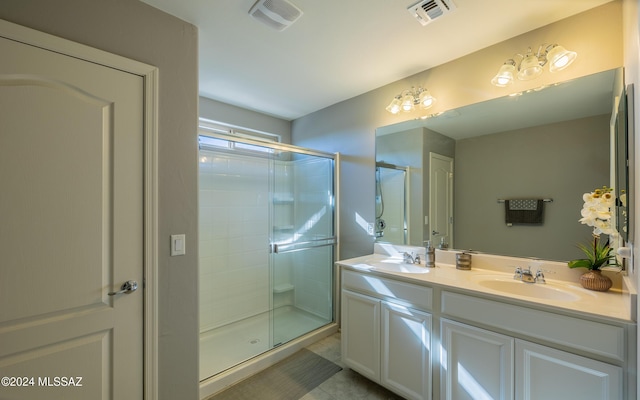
{"x": 559, "y": 58}
{"x": 426, "y": 100}
{"x": 394, "y": 106}
{"x": 504, "y": 77}
{"x": 408, "y": 103}
{"x": 529, "y": 68}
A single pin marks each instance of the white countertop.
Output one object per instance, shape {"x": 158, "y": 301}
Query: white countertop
{"x": 613, "y": 304}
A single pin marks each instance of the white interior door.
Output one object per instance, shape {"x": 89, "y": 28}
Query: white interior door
{"x": 440, "y": 199}
{"x": 71, "y": 227}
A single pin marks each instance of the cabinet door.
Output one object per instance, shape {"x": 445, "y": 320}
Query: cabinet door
{"x": 406, "y": 351}
{"x": 361, "y": 334}
{"x": 545, "y": 373}
{"x": 475, "y": 363}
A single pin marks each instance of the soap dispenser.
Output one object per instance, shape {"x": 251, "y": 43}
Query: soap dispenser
{"x": 430, "y": 254}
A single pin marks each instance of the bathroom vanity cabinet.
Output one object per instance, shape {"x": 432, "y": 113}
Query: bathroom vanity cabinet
{"x": 506, "y": 364}
{"x": 386, "y": 333}
{"x": 424, "y": 340}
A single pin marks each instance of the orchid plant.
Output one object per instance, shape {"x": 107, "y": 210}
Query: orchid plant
{"x": 596, "y": 212}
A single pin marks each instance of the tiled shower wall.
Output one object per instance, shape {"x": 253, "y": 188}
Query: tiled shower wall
{"x": 234, "y": 233}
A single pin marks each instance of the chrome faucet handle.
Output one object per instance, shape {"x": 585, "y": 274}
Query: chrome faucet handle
{"x": 408, "y": 258}
{"x": 518, "y": 273}
{"x": 540, "y": 276}
{"x": 417, "y": 259}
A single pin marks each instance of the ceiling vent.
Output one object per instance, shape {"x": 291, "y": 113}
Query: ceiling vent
{"x": 278, "y": 14}
{"x": 427, "y": 11}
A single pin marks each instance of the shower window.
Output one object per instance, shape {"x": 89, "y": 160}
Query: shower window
{"x": 223, "y": 144}
{"x": 207, "y": 126}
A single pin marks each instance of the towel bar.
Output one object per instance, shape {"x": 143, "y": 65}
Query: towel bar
{"x": 545, "y": 200}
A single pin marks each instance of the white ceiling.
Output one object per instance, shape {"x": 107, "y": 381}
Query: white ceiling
{"x": 339, "y": 49}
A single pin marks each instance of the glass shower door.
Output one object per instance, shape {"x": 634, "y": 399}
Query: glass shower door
{"x": 302, "y": 244}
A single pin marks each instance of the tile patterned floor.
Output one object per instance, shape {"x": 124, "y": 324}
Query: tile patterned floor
{"x": 346, "y": 384}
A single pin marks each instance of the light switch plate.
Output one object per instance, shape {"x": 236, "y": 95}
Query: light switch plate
{"x": 178, "y": 245}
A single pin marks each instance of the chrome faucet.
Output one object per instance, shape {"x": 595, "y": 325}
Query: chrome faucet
{"x": 526, "y": 275}
{"x": 410, "y": 258}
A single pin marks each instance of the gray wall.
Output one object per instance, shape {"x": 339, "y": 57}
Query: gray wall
{"x": 140, "y": 32}
{"x": 559, "y": 161}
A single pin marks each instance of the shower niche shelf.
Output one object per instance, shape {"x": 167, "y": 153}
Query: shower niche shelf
{"x": 283, "y": 228}
{"x": 283, "y": 288}
{"x": 283, "y": 200}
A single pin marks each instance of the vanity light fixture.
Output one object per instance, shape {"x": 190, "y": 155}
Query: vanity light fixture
{"x": 409, "y": 99}
{"x": 531, "y": 64}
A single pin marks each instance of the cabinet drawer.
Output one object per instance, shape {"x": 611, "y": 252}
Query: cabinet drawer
{"x": 400, "y": 292}
{"x": 602, "y": 339}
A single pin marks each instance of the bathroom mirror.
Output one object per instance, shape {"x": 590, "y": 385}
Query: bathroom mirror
{"x": 553, "y": 143}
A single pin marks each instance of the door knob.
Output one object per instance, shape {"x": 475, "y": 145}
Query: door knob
{"x": 435, "y": 233}
{"x": 127, "y": 287}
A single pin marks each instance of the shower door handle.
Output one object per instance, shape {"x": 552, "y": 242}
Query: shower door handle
{"x": 126, "y": 288}
{"x": 310, "y": 244}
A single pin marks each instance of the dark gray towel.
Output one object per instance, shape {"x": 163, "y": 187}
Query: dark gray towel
{"x": 523, "y": 211}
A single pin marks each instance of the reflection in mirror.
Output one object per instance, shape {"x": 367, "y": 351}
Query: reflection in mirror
{"x": 623, "y": 127}
{"x": 392, "y": 187}
{"x": 411, "y": 149}
{"x": 552, "y": 143}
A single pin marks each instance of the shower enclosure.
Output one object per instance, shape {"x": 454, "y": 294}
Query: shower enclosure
{"x": 267, "y": 246}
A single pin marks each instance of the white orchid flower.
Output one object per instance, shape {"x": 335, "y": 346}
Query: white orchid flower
{"x": 596, "y": 211}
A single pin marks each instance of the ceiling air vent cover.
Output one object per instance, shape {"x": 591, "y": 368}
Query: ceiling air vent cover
{"x": 278, "y": 14}
{"x": 426, "y": 11}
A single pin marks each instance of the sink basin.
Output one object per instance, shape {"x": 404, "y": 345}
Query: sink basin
{"x": 536, "y": 290}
